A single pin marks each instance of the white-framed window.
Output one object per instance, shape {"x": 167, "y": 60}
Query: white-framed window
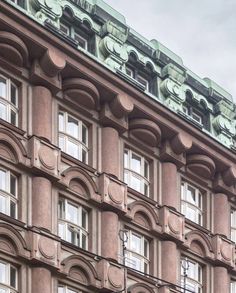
{"x": 73, "y": 223}
{"x": 191, "y": 203}
{"x": 22, "y": 4}
{"x": 73, "y": 136}
{"x": 233, "y": 225}
{"x": 233, "y": 286}
{"x": 8, "y": 100}
{"x": 8, "y": 278}
{"x": 143, "y": 81}
{"x": 193, "y": 275}
{"x": 135, "y": 75}
{"x": 66, "y": 289}
{"x": 75, "y": 34}
{"x": 190, "y": 111}
{"x": 137, "y": 252}
{"x": 8, "y": 193}
{"x": 136, "y": 172}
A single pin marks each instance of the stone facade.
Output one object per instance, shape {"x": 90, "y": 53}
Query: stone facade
{"x": 102, "y": 132}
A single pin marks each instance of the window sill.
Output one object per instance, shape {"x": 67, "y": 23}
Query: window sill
{"x": 12, "y": 127}
{"x": 191, "y": 120}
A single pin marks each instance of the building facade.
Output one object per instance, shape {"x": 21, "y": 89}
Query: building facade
{"x": 117, "y": 163}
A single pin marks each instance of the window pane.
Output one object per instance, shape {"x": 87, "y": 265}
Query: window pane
{"x": 191, "y": 214}
{"x": 21, "y": 3}
{"x": 72, "y": 127}
{"x": 13, "y": 277}
{"x": 84, "y": 219}
{"x": 84, "y": 135}
{"x": 3, "y": 276}
{"x": 2, "y": 180}
{"x": 13, "y": 117}
{"x": 3, "y": 111}
{"x": 71, "y": 291}
{"x": 136, "y": 263}
{"x": 61, "y": 143}
{"x": 61, "y": 231}
{"x": 61, "y": 209}
{"x": 135, "y": 244}
{"x": 84, "y": 241}
{"x": 72, "y": 214}
{"x": 13, "y": 94}
{"x": 191, "y": 195}
{"x": 146, "y": 169}
{"x": 126, "y": 159}
{"x": 136, "y": 163}
{"x": 13, "y": 209}
{"x": 145, "y": 248}
{"x": 73, "y": 149}
{"x": 3, "y": 204}
{"x": 13, "y": 185}
{"x": 64, "y": 28}
{"x": 61, "y": 121}
{"x": 61, "y": 289}
{"x": 135, "y": 183}
{"x": 84, "y": 156}
{"x": 82, "y": 42}
{"x": 3, "y": 88}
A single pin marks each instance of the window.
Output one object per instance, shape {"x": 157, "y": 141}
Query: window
{"x": 191, "y": 203}
{"x": 137, "y": 76}
{"x": 232, "y": 287}
{"x": 73, "y": 223}
{"x": 76, "y": 34}
{"x": 8, "y": 193}
{"x": 193, "y": 275}
{"x": 65, "y": 289}
{"x": 73, "y": 137}
{"x": 8, "y": 278}
{"x": 137, "y": 252}
{"x": 21, "y": 3}
{"x": 8, "y": 100}
{"x": 136, "y": 172}
{"x": 193, "y": 113}
{"x": 233, "y": 225}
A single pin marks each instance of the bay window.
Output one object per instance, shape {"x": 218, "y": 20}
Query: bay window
{"x": 8, "y": 278}
{"x": 191, "y": 278}
{"x": 8, "y": 100}
{"x": 73, "y": 223}
{"x": 137, "y": 252}
{"x": 136, "y": 172}
{"x": 73, "y": 137}
{"x": 8, "y": 193}
{"x": 191, "y": 203}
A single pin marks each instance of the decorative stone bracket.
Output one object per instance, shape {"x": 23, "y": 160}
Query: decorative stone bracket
{"x": 224, "y": 250}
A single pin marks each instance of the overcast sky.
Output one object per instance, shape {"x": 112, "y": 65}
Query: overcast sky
{"x": 201, "y": 32}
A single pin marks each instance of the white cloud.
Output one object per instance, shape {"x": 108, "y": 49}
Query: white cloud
{"x": 202, "y": 33}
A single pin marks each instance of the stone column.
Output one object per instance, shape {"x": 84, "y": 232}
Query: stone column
{"x": 221, "y": 214}
{"x": 170, "y": 194}
{"x": 41, "y": 280}
{"x": 221, "y": 280}
{"x": 41, "y": 203}
{"x": 42, "y": 112}
{"x": 110, "y": 151}
{"x": 169, "y": 261}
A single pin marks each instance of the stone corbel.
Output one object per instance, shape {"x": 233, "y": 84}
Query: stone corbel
{"x": 46, "y": 70}
{"x": 224, "y": 251}
{"x": 113, "y": 193}
{"x": 201, "y": 165}
{"x": 112, "y": 44}
{"x": 116, "y": 112}
{"x": 224, "y": 122}
{"x": 225, "y": 182}
{"x": 171, "y": 87}
{"x": 48, "y": 10}
{"x": 172, "y": 224}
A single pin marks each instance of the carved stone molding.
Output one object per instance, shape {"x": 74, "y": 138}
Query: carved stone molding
{"x": 167, "y": 154}
{"x": 220, "y": 186}
{"x": 44, "y": 157}
{"x": 145, "y": 131}
{"x": 113, "y": 193}
{"x": 121, "y": 105}
{"x": 13, "y": 49}
{"x": 181, "y": 142}
{"x": 201, "y": 165}
{"x": 81, "y": 92}
{"x": 224, "y": 250}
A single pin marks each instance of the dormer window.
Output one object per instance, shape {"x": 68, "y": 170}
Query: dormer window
{"x": 143, "y": 75}
{"x": 191, "y": 112}
{"x": 21, "y": 3}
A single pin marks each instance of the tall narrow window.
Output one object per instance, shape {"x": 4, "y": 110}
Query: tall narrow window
{"x": 191, "y": 203}
{"x": 73, "y": 137}
{"x": 136, "y": 172}
{"x": 8, "y": 100}
{"x": 192, "y": 279}
{"x": 233, "y": 225}
{"x": 8, "y": 278}
{"x": 73, "y": 223}
{"x": 8, "y": 193}
{"x": 137, "y": 252}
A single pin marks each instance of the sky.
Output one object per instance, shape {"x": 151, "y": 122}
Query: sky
{"x": 201, "y": 32}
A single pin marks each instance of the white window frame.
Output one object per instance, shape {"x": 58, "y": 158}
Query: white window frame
{"x": 65, "y": 138}
{"x": 131, "y": 254}
{"x": 129, "y": 172}
{"x": 66, "y": 289}
{"x": 6, "y": 285}
{"x": 66, "y": 226}
{"x": 189, "y": 111}
{"x": 7, "y": 195}
{"x": 196, "y": 207}
{"x": 193, "y": 281}
{"x": 16, "y": 2}
{"x": 6, "y": 101}
{"x": 74, "y": 33}
{"x": 233, "y": 286}
{"x": 143, "y": 82}
{"x": 233, "y": 224}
